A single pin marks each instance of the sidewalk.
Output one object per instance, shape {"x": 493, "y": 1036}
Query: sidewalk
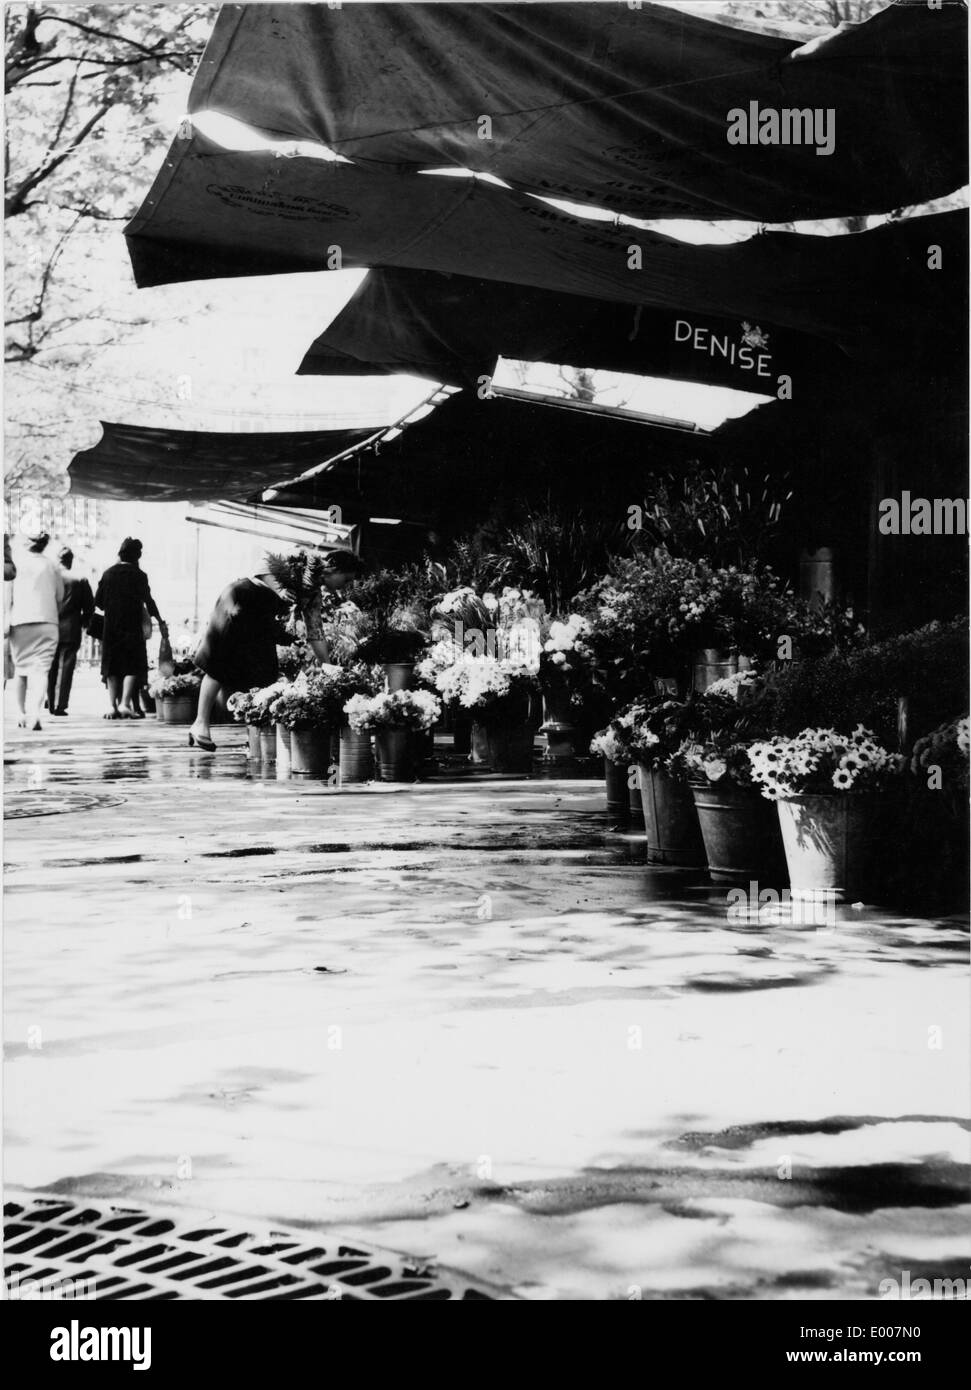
{"x": 464, "y": 1021}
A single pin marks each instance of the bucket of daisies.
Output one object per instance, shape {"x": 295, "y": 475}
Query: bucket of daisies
{"x": 830, "y": 789}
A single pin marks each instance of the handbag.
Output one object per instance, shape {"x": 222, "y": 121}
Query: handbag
{"x": 96, "y": 626}
{"x": 166, "y": 664}
{"x": 146, "y": 624}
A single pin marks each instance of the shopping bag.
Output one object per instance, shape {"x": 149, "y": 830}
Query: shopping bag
{"x": 166, "y": 664}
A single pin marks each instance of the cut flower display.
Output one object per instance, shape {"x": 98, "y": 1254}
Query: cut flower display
{"x": 171, "y": 687}
{"x": 655, "y": 732}
{"x": 316, "y": 698}
{"x": 821, "y": 762}
{"x": 253, "y": 706}
{"x": 398, "y": 709}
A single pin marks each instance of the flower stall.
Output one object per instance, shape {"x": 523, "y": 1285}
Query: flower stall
{"x": 751, "y": 732}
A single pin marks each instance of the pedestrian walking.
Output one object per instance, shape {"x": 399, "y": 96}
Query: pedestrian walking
{"x": 9, "y": 575}
{"x": 125, "y": 598}
{"x": 74, "y": 614}
{"x": 37, "y": 592}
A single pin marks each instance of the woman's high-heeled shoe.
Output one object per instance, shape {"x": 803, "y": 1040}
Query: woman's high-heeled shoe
{"x": 206, "y": 744}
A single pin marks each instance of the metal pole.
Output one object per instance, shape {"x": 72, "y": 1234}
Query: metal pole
{"x": 195, "y": 606}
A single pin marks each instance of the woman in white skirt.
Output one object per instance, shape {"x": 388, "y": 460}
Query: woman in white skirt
{"x": 37, "y": 592}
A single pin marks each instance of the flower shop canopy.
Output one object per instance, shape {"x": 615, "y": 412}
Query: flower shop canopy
{"x": 452, "y": 328}
{"x": 620, "y": 107}
{"x": 451, "y": 469}
{"x": 213, "y": 213}
{"x": 471, "y": 456}
{"x": 163, "y": 465}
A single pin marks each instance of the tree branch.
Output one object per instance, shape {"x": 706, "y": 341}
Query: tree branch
{"x": 17, "y": 203}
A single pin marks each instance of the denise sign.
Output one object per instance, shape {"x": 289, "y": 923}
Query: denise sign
{"x": 744, "y": 354}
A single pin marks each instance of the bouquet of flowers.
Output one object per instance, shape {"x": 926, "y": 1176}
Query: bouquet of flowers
{"x": 818, "y": 629}
{"x": 727, "y": 718}
{"x": 613, "y": 743}
{"x": 718, "y": 758}
{"x": 295, "y": 658}
{"x": 253, "y": 706}
{"x": 240, "y": 705}
{"x": 944, "y": 752}
{"x": 656, "y": 731}
{"x": 652, "y": 611}
{"x": 182, "y": 682}
{"x": 563, "y": 647}
{"x": 821, "y": 761}
{"x": 492, "y": 688}
{"x": 511, "y": 626}
{"x": 397, "y": 709}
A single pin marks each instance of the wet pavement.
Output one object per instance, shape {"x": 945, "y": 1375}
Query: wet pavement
{"x": 464, "y": 1020}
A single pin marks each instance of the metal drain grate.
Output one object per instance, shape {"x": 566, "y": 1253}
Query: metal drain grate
{"x": 112, "y": 1252}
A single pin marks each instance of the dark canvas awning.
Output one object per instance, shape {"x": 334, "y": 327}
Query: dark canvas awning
{"x": 215, "y": 213}
{"x": 471, "y": 459}
{"x": 452, "y": 328}
{"x": 623, "y": 108}
{"x": 161, "y": 465}
{"x": 451, "y": 469}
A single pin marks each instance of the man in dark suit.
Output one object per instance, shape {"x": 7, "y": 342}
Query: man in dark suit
{"x": 74, "y": 614}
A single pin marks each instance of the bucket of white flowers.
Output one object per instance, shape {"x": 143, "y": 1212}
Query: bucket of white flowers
{"x": 659, "y": 728}
{"x": 394, "y": 718}
{"x": 562, "y": 675}
{"x": 177, "y": 696}
{"x": 830, "y": 789}
{"x": 613, "y": 745}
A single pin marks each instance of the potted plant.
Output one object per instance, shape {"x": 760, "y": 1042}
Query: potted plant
{"x": 934, "y": 824}
{"x": 684, "y": 620}
{"x": 240, "y": 706}
{"x": 739, "y": 827}
{"x": 311, "y": 708}
{"x": 828, "y": 788}
{"x": 303, "y": 724}
{"x": 563, "y": 677}
{"x": 612, "y": 743}
{"x": 499, "y": 694}
{"x": 394, "y": 718}
{"x": 260, "y": 717}
{"x": 385, "y": 620}
{"x": 659, "y": 728}
{"x": 485, "y": 661}
{"x": 177, "y": 696}
{"x": 355, "y": 750}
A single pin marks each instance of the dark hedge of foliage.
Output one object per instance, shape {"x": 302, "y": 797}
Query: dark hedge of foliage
{"x": 929, "y": 666}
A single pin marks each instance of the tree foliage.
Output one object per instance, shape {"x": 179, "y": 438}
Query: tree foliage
{"x": 93, "y": 96}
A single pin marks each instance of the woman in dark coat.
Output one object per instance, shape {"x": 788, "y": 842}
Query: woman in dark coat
{"x": 238, "y": 648}
{"x": 124, "y": 596}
